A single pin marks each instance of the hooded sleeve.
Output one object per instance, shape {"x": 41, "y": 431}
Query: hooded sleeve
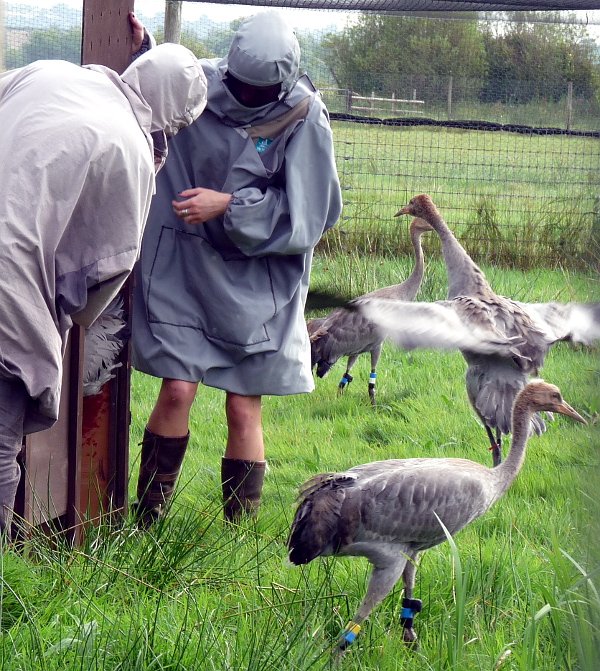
{"x": 290, "y": 217}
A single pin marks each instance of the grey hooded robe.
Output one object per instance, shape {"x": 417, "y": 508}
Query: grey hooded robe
{"x": 76, "y": 181}
{"x": 223, "y": 302}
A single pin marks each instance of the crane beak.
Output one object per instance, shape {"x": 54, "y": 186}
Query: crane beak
{"x": 404, "y": 210}
{"x": 565, "y": 409}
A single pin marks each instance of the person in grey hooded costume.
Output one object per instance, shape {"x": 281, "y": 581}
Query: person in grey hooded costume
{"x": 247, "y": 192}
{"x": 84, "y": 144}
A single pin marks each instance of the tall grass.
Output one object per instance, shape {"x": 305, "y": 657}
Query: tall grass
{"x": 517, "y": 589}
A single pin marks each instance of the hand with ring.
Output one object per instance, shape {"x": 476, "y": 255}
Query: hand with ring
{"x": 205, "y": 203}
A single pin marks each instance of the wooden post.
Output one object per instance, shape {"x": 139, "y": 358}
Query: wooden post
{"x": 372, "y": 101}
{"x": 107, "y": 33}
{"x": 569, "y": 105}
{"x": 348, "y": 100}
{"x": 393, "y": 102}
{"x": 450, "y": 97}
{"x": 173, "y": 21}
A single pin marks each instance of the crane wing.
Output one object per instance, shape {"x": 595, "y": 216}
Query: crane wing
{"x": 575, "y": 322}
{"x": 439, "y": 325}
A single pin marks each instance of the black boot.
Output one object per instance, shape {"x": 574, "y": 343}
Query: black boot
{"x": 160, "y": 464}
{"x": 242, "y": 483}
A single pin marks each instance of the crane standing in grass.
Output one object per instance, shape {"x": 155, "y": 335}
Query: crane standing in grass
{"x": 345, "y": 333}
{"x": 390, "y": 511}
{"x": 493, "y": 380}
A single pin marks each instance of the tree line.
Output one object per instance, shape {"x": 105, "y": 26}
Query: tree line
{"x": 515, "y": 61}
{"x": 510, "y": 61}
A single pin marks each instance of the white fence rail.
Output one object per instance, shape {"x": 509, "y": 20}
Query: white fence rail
{"x": 352, "y": 98}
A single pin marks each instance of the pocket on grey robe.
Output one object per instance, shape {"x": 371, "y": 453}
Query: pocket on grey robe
{"x": 192, "y": 286}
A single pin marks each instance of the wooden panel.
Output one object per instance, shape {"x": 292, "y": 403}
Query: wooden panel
{"x": 107, "y": 33}
{"x": 95, "y": 466}
{"x": 51, "y": 457}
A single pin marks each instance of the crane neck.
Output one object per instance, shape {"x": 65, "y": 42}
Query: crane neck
{"x": 411, "y": 284}
{"x": 465, "y": 278}
{"x": 508, "y": 470}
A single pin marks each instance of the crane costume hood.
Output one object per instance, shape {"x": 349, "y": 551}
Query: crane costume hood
{"x": 264, "y": 51}
{"x": 74, "y": 198}
{"x": 223, "y": 302}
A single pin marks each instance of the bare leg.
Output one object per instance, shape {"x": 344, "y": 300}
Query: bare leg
{"x": 244, "y": 424}
{"x": 171, "y": 414}
{"x": 243, "y": 466}
{"x": 164, "y": 446}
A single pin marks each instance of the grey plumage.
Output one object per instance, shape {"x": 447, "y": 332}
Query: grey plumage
{"x": 387, "y": 511}
{"x": 104, "y": 340}
{"x": 344, "y": 333}
{"x": 493, "y": 378}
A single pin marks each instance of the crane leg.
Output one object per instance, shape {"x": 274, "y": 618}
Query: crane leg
{"x": 496, "y": 445}
{"x": 347, "y": 378}
{"x": 381, "y": 583}
{"x": 375, "y": 354}
{"x": 410, "y": 606}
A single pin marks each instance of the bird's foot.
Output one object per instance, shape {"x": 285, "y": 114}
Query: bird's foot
{"x": 410, "y": 638}
{"x": 410, "y": 607}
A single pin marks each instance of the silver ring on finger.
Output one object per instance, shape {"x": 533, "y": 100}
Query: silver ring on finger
{"x": 184, "y": 213}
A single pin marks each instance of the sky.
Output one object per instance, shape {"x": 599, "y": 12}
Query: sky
{"x": 299, "y": 18}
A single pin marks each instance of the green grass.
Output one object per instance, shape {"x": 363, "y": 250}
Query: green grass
{"x": 516, "y": 200}
{"x": 519, "y": 585}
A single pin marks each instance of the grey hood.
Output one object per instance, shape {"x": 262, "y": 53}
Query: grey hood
{"x": 264, "y": 51}
{"x": 166, "y": 88}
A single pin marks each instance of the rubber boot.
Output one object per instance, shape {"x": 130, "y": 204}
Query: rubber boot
{"x": 160, "y": 464}
{"x": 242, "y": 483}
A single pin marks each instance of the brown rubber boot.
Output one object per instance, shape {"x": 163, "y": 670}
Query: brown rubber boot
{"x": 242, "y": 486}
{"x": 160, "y": 464}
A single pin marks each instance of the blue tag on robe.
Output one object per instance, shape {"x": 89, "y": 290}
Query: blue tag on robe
{"x": 262, "y": 143}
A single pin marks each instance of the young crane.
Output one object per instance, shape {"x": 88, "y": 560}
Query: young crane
{"x": 390, "y": 511}
{"x": 343, "y": 333}
{"x": 492, "y": 379}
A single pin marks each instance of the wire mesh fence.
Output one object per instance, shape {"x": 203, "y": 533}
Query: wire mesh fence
{"x": 497, "y": 121}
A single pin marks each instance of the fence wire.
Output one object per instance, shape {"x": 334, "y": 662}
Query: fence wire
{"x": 505, "y": 137}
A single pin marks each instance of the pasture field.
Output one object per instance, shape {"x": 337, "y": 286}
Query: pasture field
{"x": 513, "y": 199}
{"x": 519, "y": 592}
